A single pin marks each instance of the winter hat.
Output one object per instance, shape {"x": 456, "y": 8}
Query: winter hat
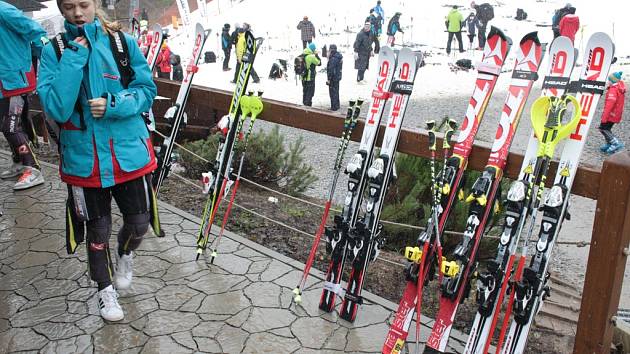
{"x": 227, "y": 25}
{"x": 615, "y": 77}
{"x": 312, "y": 47}
{"x": 333, "y": 47}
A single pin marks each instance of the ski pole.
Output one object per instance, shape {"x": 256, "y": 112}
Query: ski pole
{"x": 256, "y": 107}
{"x": 350, "y": 122}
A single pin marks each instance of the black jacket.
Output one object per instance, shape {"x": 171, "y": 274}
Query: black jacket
{"x": 334, "y": 66}
{"x": 393, "y": 26}
{"x": 363, "y": 47}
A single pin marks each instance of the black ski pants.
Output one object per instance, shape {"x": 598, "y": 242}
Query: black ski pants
{"x": 457, "y": 35}
{"x": 252, "y": 72}
{"x": 305, "y": 43}
{"x": 481, "y": 35}
{"x": 606, "y": 130}
{"x": 226, "y": 58}
{"x": 308, "y": 91}
{"x": 13, "y": 123}
{"x": 333, "y": 92}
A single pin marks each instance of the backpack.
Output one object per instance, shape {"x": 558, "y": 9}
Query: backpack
{"x": 299, "y": 65}
{"x": 121, "y": 55}
{"x": 521, "y": 15}
{"x": 485, "y": 12}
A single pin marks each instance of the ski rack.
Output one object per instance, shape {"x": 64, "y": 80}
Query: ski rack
{"x": 609, "y": 185}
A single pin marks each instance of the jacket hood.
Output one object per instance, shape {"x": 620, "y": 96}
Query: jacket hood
{"x": 620, "y": 86}
{"x": 307, "y": 51}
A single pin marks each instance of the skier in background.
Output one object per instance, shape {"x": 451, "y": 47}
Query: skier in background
{"x": 569, "y": 24}
{"x": 226, "y": 46}
{"x": 392, "y": 28}
{"x": 472, "y": 23}
{"x": 105, "y": 147}
{"x": 380, "y": 12}
{"x": 21, "y": 39}
{"x": 454, "y": 21}
{"x": 163, "y": 62}
{"x": 311, "y": 60}
{"x": 557, "y": 17}
{"x": 334, "y": 70}
{"x": 307, "y": 31}
{"x": 362, "y": 51}
{"x": 485, "y": 13}
{"x": 178, "y": 70}
{"x": 613, "y": 112}
{"x": 240, "y": 51}
{"x": 375, "y": 29}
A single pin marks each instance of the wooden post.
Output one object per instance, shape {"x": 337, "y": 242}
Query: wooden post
{"x": 606, "y": 259}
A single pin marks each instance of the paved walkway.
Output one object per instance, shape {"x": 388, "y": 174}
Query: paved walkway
{"x": 240, "y": 304}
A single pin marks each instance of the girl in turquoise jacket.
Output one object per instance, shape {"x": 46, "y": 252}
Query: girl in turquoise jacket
{"x": 104, "y": 143}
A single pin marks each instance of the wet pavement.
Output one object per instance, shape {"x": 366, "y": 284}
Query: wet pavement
{"x": 241, "y": 304}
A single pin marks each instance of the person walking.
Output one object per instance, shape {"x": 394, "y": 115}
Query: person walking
{"x": 472, "y": 23}
{"x": 163, "y": 62}
{"x": 226, "y": 46}
{"x": 105, "y": 146}
{"x": 240, "y": 51}
{"x": 613, "y": 112}
{"x": 485, "y": 13}
{"x": 311, "y": 61}
{"x": 375, "y": 29}
{"x": 362, "y": 51}
{"x": 569, "y": 24}
{"x": 393, "y": 27}
{"x": 21, "y": 38}
{"x": 333, "y": 71}
{"x": 454, "y": 21}
{"x": 307, "y": 31}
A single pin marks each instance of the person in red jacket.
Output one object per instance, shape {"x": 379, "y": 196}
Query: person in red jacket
{"x": 163, "y": 62}
{"x": 570, "y": 24}
{"x": 613, "y": 110}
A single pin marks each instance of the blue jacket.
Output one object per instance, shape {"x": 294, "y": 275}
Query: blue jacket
{"x": 116, "y": 147}
{"x": 17, "y": 32}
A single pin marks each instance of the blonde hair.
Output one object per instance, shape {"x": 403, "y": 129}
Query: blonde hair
{"x": 108, "y": 26}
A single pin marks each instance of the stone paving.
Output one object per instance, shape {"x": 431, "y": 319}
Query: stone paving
{"x": 241, "y": 304}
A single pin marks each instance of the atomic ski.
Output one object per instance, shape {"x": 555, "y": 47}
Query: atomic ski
{"x": 364, "y": 240}
{"x": 531, "y": 288}
{"x": 456, "y": 273}
{"x": 176, "y": 113}
{"x": 251, "y": 105}
{"x": 348, "y": 126}
{"x": 337, "y": 236}
{"x": 225, "y": 150}
{"x": 495, "y": 52}
{"x": 492, "y": 283}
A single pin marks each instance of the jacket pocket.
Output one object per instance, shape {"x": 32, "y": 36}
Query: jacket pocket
{"x": 131, "y": 153}
{"x": 77, "y": 156}
{"x": 14, "y": 80}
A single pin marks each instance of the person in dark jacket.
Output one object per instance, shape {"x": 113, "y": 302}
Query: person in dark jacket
{"x": 375, "y": 29}
{"x": 311, "y": 61}
{"x": 362, "y": 51}
{"x": 472, "y": 23}
{"x": 485, "y": 13}
{"x": 307, "y": 31}
{"x": 226, "y": 46}
{"x": 333, "y": 69}
{"x": 392, "y": 28}
{"x": 178, "y": 71}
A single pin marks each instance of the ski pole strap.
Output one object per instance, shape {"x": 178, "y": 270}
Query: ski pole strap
{"x": 383, "y": 95}
{"x": 525, "y": 75}
{"x": 402, "y": 87}
{"x": 587, "y": 86}
{"x": 555, "y": 82}
{"x": 487, "y": 68}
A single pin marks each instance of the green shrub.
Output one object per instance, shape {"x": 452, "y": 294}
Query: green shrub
{"x": 267, "y": 161}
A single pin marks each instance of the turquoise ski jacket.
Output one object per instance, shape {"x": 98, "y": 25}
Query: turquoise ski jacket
{"x": 116, "y": 147}
{"x": 17, "y": 33}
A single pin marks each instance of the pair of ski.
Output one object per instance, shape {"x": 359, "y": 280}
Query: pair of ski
{"x": 221, "y": 170}
{"x": 349, "y": 235}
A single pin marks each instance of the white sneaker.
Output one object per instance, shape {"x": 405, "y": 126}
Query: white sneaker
{"x": 15, "y": 170}
{"x": 124, "y": 271}
{"x": 108, "y": 302}
{"x": 31, "y": 177}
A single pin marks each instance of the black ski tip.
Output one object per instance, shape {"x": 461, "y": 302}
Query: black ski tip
{"x": 532, "y": 36}
{"x": 495, "y": 31}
